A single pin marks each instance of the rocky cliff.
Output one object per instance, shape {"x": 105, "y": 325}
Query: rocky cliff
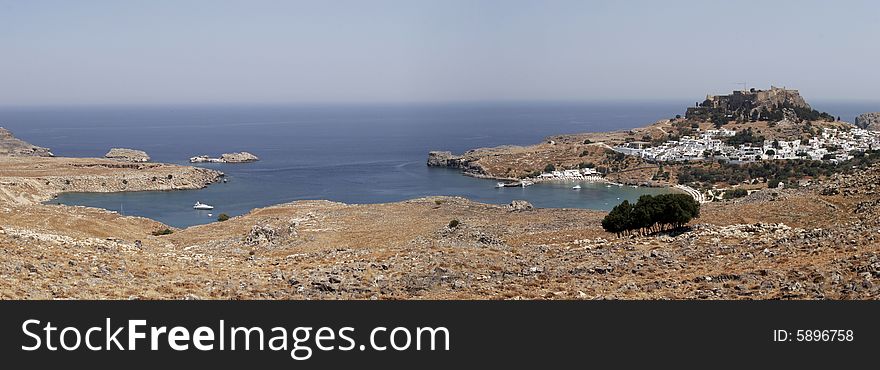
{"x": 127, "y": 155}
{"x": 11, "y": 146}
{"x": 869, "y": 121}
{"x": 467, "y": 162}
{"x": 768, "y": 105}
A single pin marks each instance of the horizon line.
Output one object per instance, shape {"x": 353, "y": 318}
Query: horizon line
{"x": 387, "y": 103}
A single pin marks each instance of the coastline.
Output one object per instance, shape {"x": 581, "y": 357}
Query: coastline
{"x": 30, "y": 180}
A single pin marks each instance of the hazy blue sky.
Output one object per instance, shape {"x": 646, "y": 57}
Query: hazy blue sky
{"x": 95, "y": 52}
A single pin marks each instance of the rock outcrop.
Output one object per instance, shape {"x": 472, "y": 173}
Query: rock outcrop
{"x": 520, "y": 205}
{"x": 756, "y": 105}
{"x": 869, "y": 121}
{"x": 238, "y": 157}
{"x": 439, "y": 158}
{"x": 128, "y": 155}
{"x": 13, "y": 147}
{"x": 467, "y": 162}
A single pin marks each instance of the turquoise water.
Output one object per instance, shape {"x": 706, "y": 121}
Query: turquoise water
{"x": 352, "y": 154}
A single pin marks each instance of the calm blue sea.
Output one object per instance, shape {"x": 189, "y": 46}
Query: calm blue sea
{"x": 347, "y": 153}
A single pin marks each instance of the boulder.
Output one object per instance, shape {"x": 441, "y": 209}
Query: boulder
{"x": 261, "y": 235}
{"x": 127, "y": 155}
{"x": 869, "y": 121}
{"x": 519, "y": 205}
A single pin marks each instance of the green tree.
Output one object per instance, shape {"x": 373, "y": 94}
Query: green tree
{"x": 652, "y": 214}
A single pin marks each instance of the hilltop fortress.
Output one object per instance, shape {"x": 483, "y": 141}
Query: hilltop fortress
{"x": 751, "y": 105}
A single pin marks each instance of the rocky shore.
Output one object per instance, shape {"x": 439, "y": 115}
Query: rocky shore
{"x": 30, "y": 179}
{"x": 37, "y": 179}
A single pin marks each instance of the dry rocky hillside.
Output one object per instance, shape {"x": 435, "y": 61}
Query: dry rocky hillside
{"x": 797, "y": 244}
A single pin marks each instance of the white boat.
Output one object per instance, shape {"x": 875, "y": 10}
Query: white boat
{"x": 202, "y": 206}
{"x": 576, "y": 187}
{"x": 607, "y": 186}
{"x": 499, "y": 185}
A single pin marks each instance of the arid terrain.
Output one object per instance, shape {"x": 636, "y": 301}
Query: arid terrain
{"x": 817, "y": 242}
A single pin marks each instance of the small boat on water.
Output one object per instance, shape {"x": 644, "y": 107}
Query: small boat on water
{"x": 576, "y": 187}
{"x": 513, "y": 184}
{"x": 202, "y": 206}
{"x": 607, "y": 186}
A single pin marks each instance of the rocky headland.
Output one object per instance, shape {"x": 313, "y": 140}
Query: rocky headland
{"x": 11, "y": 146}
{"x": 30, "y": 179}
{"x": 869, "y": 121}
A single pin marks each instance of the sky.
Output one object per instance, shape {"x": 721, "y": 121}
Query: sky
{"x": 258, "y": 51}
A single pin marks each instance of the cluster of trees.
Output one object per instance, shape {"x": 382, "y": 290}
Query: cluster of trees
{"x": 745, "y": 136}
{"x": 651, "y": 214}
{"x": 719, "y": 119}
{"x": 735, "y": 193}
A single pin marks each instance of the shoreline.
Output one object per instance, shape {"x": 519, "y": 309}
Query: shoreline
{"x": 35, "y": 180}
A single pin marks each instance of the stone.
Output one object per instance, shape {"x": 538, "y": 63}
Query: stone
{"x": 127, "y": 155}
{"x": 520, "y": 205}
{"x": 260, "y": 235}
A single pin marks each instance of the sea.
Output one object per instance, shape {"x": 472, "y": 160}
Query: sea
{"x": 352, "y": 153}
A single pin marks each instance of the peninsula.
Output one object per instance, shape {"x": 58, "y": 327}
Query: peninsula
{"x": 724, "y": 145}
